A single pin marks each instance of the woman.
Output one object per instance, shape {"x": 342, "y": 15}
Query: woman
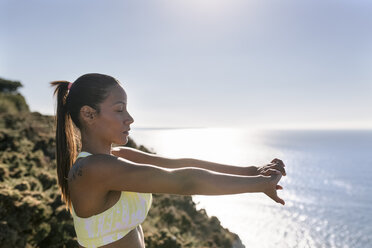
{"x": 108, "y": 189}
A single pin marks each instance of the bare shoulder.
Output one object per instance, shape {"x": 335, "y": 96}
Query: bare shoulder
{"x": 94, "y": 162}
{"x": 97, "y": 170}
{"x": 85, "y": 169}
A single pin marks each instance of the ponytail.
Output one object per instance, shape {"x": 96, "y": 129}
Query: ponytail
{"x": 66, "y": 151}
{"x": 89, "y": 89}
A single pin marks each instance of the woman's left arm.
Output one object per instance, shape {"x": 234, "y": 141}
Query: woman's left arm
{"x": 138, "y": 156}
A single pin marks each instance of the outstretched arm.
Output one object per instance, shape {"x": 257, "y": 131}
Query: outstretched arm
{"x": 138, "y": 156}
{"x": 196, "y": 180}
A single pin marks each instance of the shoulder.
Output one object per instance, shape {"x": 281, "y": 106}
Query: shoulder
{"x": 87, "y": 169}
{"x": 97, "y": 163}
{"x": 97, "y": 159}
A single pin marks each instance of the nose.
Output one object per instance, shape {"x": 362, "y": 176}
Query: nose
{"x": 130, "y": 120}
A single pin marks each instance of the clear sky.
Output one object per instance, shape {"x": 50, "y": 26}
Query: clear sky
{"x": 208, "y": 63}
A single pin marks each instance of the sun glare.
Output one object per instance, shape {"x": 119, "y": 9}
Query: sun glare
{"x": 206, "y": 9}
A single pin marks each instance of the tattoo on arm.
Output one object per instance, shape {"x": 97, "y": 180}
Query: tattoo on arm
{"x": 77, "y": 170}
{"x": 80, "y": 172}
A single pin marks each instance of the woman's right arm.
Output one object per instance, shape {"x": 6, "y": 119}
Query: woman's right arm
{"x": 115, "y": 173}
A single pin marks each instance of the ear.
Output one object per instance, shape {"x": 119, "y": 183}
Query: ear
{"x": 88, "y": 114}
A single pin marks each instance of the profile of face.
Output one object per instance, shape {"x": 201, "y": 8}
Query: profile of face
{"x": 112, "y": 123}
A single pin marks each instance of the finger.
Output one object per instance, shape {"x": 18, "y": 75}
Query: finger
{"x": 278, "y": 161}
{"x": 273, "y": 172}
{"x": 277, "y": 199}
{"x": 268, "y": 172}
{"x": 275, "y": 160}
{"x": 279, "y": 187}
{"x": 281, "y": 201}
{"x": 281, "y": 169}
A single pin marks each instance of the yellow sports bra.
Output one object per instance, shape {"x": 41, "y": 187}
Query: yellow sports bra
{"x": 113, "y": 223}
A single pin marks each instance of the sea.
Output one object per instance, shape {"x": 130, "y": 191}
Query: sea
{"x": 327, "y": 190}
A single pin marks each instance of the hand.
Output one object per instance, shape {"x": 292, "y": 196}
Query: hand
{"x": 272, "y": 186}
{"x": 269, "y": 169}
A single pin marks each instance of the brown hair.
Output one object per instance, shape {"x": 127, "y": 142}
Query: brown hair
{"x": 89, "y": 89}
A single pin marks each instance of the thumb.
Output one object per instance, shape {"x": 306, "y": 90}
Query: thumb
{"x": 281, "y": 201}
{"x": 278, "y": 200}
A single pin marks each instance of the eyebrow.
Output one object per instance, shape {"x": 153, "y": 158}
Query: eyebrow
{"x": 119, "y": 102}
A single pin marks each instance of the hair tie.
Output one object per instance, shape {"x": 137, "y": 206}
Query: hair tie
{"x": 69, "y": 86}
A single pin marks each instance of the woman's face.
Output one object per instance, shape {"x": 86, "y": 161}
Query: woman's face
{"x": 113, "y": 120}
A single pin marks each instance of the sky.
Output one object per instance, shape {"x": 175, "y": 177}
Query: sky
{"x": 201, "y": 63}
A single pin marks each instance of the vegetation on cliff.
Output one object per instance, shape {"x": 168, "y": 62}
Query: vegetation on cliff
{"x": 11, "y": 101}
{"x": 31, "y": 211}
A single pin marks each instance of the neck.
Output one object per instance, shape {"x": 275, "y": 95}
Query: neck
{"x": 93, "y": 145}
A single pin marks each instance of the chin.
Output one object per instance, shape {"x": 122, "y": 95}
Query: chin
{"x": 121, "y": 142}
